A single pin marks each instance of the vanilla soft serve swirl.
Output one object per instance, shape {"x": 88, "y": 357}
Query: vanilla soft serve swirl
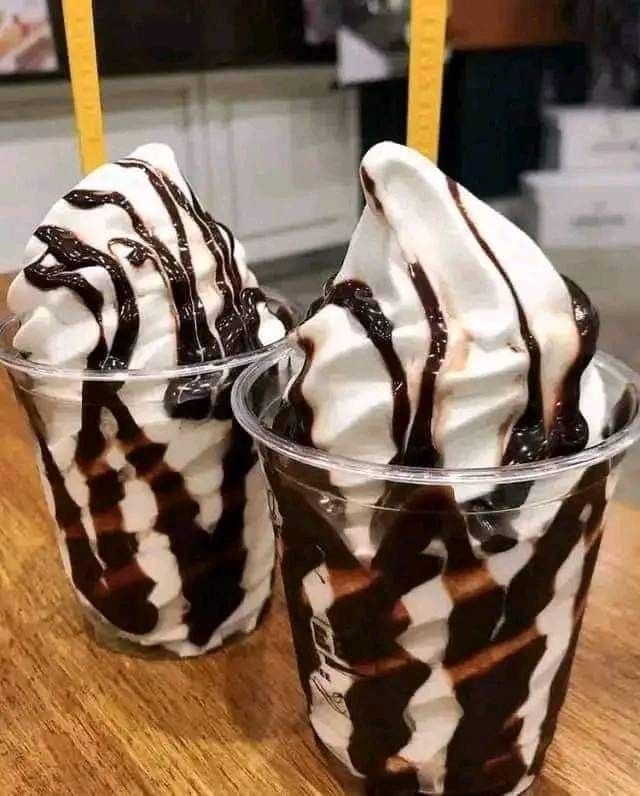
{"x": 447, "y": 337}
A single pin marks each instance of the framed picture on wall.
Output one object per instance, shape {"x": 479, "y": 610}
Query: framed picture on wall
{"x": 27, "y": 44}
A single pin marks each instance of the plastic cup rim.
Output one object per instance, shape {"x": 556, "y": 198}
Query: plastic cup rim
{"x": 607, "y": 449}
{"x": 13, "y": 361}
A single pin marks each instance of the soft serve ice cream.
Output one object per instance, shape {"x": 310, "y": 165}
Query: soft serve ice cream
{"x": 435, "y": 626}
{"x": 162, "y": 516}
{"x": 128, "y": 270}
{"x": 483, "y": 342}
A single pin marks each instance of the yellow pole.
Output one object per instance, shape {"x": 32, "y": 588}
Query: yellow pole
{"x": 426, "y": 66}
{"x": 85, "y": 86}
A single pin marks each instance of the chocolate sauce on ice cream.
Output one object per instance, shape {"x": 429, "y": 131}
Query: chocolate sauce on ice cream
{"x": 435, "y": 626}
{"x": 155, "y": 488}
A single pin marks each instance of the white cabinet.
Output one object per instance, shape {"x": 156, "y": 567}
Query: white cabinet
{"x": 284, "y": 149}
{"x": 36, "y": 166}
{"x": 272, "y": 152}
{"x": 38, "y": 150}
{"x": 138, "y": 113}
{"x": 302, "y": 185}
{"x": 592, "y": 137}
{"x": 582, "y": 209}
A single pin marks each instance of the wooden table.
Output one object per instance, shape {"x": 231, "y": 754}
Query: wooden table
{"x": 76, "y": 719}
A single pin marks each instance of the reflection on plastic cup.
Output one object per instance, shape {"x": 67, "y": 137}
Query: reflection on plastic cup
{"x": 436, "y": 613}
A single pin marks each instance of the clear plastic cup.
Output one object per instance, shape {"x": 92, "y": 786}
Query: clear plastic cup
{"x": 435, "y": 613}
{"x": 159, "y": 504}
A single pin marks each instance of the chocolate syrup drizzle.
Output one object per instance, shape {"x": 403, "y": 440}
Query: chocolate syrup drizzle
{"x": 413, "y": 440}
{"x": 569, "y": 432}
{"x": 494, "y": 645}
{"x": 211, "y": 560}
{"x": 421, "y": 450}
{"x": 72, "y": 256}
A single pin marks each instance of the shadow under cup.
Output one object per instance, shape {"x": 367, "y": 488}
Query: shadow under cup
{"x": 160, "y": 508}
{"x": 435, "y": 613}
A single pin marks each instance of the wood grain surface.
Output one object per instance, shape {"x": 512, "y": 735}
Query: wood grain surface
{"x": 77, "y": 719}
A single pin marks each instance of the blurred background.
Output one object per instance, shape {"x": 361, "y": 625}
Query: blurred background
{"x": 269, "y": 105}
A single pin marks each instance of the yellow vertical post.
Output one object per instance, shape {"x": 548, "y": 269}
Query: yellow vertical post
{"x": 426, "y": 67}
{"x": 85, "y": 85}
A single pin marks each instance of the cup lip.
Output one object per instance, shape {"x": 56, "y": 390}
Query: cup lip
{"x": 505, "y": 474}
{"x": 14, "y": 361}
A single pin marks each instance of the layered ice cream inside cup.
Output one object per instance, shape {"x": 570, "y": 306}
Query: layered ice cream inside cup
{"x": 134, "y": 313}
{"x": 441, "y": 446}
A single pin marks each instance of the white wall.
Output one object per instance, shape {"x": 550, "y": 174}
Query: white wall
{"x": 272, "y": 152}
